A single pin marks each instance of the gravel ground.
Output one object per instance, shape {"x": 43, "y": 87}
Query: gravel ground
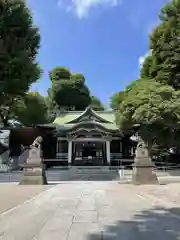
{"x": 13, "y": 195}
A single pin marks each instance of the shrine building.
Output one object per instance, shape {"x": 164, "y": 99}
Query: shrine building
{"x": 86, "y": 138}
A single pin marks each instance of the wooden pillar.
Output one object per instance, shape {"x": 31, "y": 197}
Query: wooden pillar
{"x": 120, "y": 146}
{"x": 57, "y": 147}
{"x": 108, "y": 153}
{"x": 69, "y": 152}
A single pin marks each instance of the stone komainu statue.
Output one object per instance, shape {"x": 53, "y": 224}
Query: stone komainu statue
{"x": 37, "y": 143}
{"x": 141, "y": 149}
{"x": 141, "y": 144}
{"x": 143, "y": 168}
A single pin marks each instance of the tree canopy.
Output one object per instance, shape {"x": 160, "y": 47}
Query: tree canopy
{"x": 118, "y": 97}
{"x": 152, "y": 102}
{"x": 69, "y": 90}
{"x": 32, "y": 109}
{"x": 96, "y": 104}
{"x": 116, "y": 100}
{"x": 59, "y": 74}
{"x": 19, "y": 45}
{"x": 163, "y": 65}
{"x": 155, "y": 107}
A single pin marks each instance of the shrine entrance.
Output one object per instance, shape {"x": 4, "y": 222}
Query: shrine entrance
{"x": 89, "y": 153}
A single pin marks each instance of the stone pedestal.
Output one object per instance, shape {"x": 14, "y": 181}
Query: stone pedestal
{"x": 143, "y": 175}
{"x": 34, "y": 170}
{"x": 143, "y": 168}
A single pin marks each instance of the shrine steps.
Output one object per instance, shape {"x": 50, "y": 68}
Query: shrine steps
{"x": 87, "y": 173}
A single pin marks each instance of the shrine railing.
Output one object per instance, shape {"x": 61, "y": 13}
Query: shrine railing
{"x": 62, "y": 156}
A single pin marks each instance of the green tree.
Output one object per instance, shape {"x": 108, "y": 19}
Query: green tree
{"x": 155, "y": 108}
{"x": 59, "y": 74}
{"x": 146, "y": 68}
{"x": 116, "y": 100}
{"x": 96, "y": 104}
{"x": 33, "y": 110}
{"x": 118, "y": 97}
{"x": 19, "y": 45}
{"x": 69, "y": 93}
{"x": 78, "y": 77}
{"x": 164, "y": 63}
{"x": 52, "y": 107}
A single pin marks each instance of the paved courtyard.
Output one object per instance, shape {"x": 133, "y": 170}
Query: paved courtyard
{"x": 12, "y": 195}
{"x": 94, "y": 211}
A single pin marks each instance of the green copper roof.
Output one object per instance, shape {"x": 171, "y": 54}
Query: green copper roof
{"x": 70, "y": 119}
{"x": 66, "y": 117}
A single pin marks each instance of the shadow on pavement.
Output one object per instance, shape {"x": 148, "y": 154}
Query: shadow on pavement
{"x": 155, "y": 224}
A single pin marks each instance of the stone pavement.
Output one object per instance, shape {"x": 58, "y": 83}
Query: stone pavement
{"x": 90, "y": 211}
{"x": 167, "y": 194}
{"x": 12, "y": 195}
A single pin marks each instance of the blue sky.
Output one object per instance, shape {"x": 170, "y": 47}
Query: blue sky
{"x": 103, "y": 39}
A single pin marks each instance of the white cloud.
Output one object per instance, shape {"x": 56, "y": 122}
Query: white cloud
{"x": 142, "y": 58}
{"x": 82, "y": 7}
